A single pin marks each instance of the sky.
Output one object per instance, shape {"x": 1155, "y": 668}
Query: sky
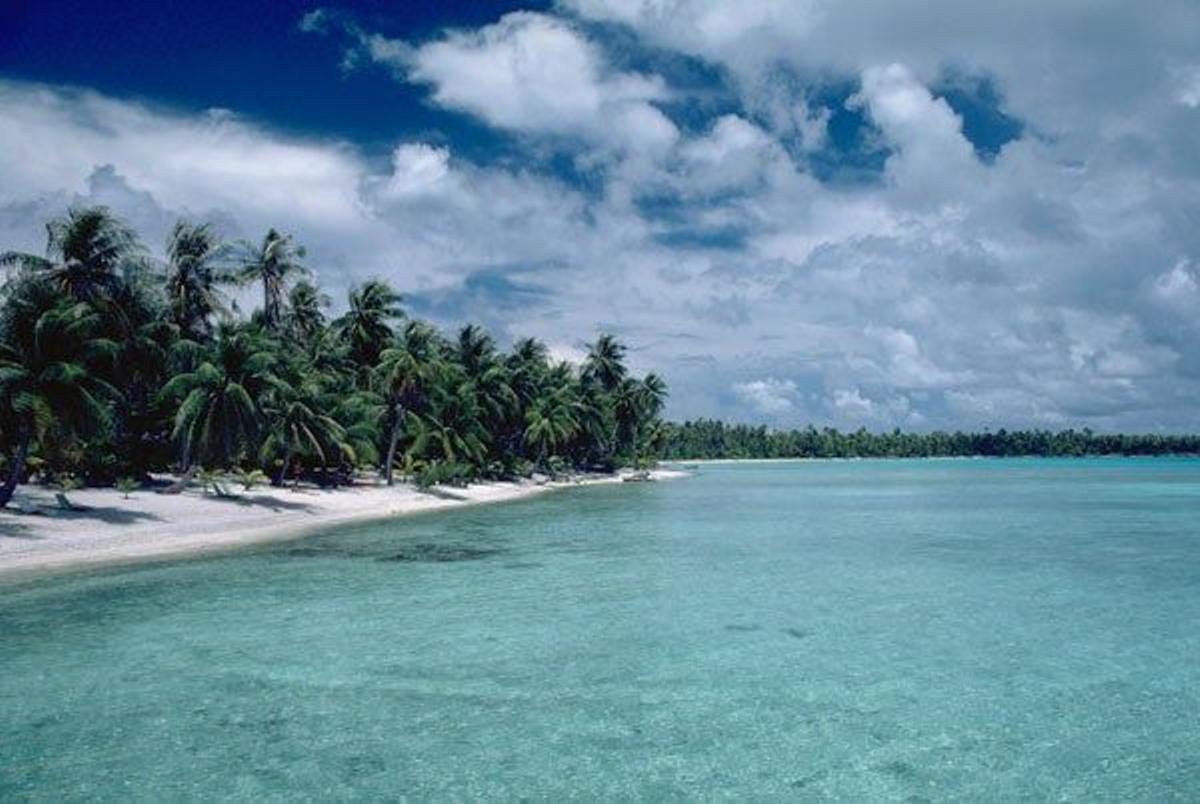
{"x": 926, "y": 215}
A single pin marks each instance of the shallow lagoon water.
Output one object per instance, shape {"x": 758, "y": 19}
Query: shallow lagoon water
{"x": 862, "y": 630}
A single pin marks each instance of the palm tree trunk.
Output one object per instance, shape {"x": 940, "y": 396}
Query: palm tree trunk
{"x": 393, "y": 439}
{"x": 268, "y": 308}
{"x": 17, "y": 467}
{"x": 287, "y": 459}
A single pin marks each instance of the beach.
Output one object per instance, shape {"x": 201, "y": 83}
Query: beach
{"x": 109, "y": 529}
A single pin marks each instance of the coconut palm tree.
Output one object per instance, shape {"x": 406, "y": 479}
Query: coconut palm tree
{"x": 305, "y": 316}
{"x": 549, "y": 423}
{"x": 404, "y": 376}
{"x": 367, "y": 325}
{"x": 298, "y": 427}
{"x": 605, "y": 363}
{"x": 87, "y": 251}
{"x": 48, "y": 350}
{"x": 476, "y": 350}
{"x": 195, "y": 272}
{"x": 652, "y": 392}
{"x": 273, "y": 263}
{"x": 219, "y": 418}
{"x": 455, "y": 433}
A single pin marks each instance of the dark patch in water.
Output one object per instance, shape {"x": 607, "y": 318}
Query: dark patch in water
{"x": 432, "y": 553}
{"x": 898, "y": 769}
{"x": 739, "y": 627}
{"x": 308, "y": 552}
{"x": 524, "y": 565}
{"x": 807, "y": 780}
{"x": 798, "y": 633}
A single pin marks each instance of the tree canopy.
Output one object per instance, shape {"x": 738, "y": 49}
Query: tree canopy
{"x": 115, "y": 365}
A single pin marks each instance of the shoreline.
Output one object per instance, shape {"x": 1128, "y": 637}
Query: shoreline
{"x": 111, "y": 531}
{"x": 683, "y": 463}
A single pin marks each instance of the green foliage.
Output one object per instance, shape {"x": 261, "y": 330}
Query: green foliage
{"x": 68, "y": 482}
{"x": 249, "y": 479}
{"x": 127, "y": 485}
{"x": 111, "y": 368}
{"x": 215, "y": 482}
{"x": 706, "y": 438}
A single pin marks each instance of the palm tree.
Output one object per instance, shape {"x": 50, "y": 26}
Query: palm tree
{"x": 652, "y": 392}
{"x": 305, "y": 316}
{"x": 549, "y": 423}
{"x": 218, "y": 417}
{"x": 636, "y": 406}
{"x": 48, "y": 349}
{"x": 367, "y": 325}
{"x": 452, "y": 421}
{"x": 297, "y": 427}
{"x": 404, "y": 376}
{"x": 87, "y": 251}
{"x": 194, "y": 276}
{"x": 273, "y": 263}
{"x": 605, "y": 364}
{"x": 476, "y": 349}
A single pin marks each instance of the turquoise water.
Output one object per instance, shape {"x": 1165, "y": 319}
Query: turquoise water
{"x": 862, "y": 630}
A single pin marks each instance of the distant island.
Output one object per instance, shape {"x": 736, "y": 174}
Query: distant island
{"x": 115, "y": 365}
{"x": 709, "y": 439}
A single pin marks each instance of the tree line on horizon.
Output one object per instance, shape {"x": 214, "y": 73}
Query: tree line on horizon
{"x": 114, "y": 365}
{"x": 711, "y": 439}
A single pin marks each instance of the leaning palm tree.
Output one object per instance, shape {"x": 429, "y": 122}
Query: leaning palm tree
{"x": 367, "y": 325}
{"x": 273, "y": 263}
{"x": 48, "y": 348}
{"x": 87, "y": 251}
{"x": 218, "y": 418}
{"x": 195, "y": 273}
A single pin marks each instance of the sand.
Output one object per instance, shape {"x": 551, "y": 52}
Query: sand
{"x": 112, "y": 530}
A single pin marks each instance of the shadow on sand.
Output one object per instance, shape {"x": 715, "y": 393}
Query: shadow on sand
{"x": 261, "y": 501}
{"x": 10, "y": 528}
{"x": 105, "y": 513}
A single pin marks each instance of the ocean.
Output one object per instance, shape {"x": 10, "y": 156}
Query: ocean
{"x": 865, "y": 630}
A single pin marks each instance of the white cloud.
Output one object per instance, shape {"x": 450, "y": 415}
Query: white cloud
{"x": 1053, "y": 284}
{"x": 417, "y": 169}
{"x": 1187, "y": 86}
{"x": 767, "y": 396}
{"x": 852, "y": 402}
{"x": 932, "y": 160}
{"x": 533, "y": 72}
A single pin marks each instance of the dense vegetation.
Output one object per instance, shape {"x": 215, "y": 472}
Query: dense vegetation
{"x": 713, "y": 439}
{"x": 114, "y": 365}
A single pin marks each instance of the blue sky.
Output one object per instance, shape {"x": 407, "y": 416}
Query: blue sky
{"x": 862, "y": 213}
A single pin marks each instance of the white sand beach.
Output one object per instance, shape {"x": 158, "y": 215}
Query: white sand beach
{"x": 108, "y": 529}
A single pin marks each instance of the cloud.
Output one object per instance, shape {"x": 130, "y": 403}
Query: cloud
{"x": 530, "y": 73}
{"x": 933, "y": 215}
{"x": 852, "y": 402}
{"x": 768, "y": 396}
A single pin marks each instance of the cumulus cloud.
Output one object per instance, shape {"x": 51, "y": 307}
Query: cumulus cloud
{"x": 532, "y": 73}
{"x": 1052, "y": 282}
{"x": 768, "y": 396}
